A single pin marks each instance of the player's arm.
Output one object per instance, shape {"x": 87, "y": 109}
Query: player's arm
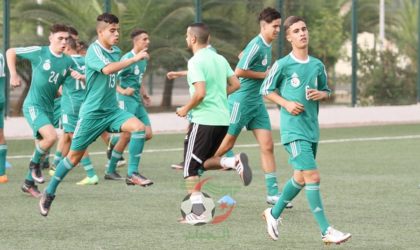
{"x": 292, "y": 107}
{"x": 125, "y": 91}
{"x": 323, "y": 92}
{"x": 11, "y": 64}
{"x": 114, "y": 67}
{"x": 146, "y": 98}
{"x": 250, "y": 74}
{"x": 233, "y": 84}
{"x": 176, "y": 74}
{"x": 196, "y": 99}
{"x": 76, "y": 75}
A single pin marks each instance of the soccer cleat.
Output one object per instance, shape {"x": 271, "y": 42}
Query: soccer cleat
{"x": 334, "y": 236}
{"x": 45, "y": 203}
{"x": 178, "y": 166}
{"x": 272, "y": 224}
{"x": 30, "y": 188}
{"x": 138, "y": 179}
{"x": 45, "y": 165}
{"x": 243, "y": 169}
{"x": 272, "y": 200}
{"x": 3, "y": 179}
{"x": 113, "y": 176}
{"x": 121, "y": 162}
{"x": 89, "y": 181}
{"x": 36, "y": 172}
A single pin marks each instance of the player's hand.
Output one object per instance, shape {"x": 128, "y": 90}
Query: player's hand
{"x": 316, "y": 95}
{"x": 171, "y": 75}
{"x": 182, "y": 111}
{"x": 294, "y": 108}
{"x": 128, "y": 91}
{"x": 76, "y": 75}
{"x": 15, "y": 80}
{"x": 147, "y": 100}
{"x": 142, "y": 55}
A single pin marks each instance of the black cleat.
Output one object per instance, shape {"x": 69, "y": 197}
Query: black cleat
{"x": 30, "y": 188}
{"x": 45, "y": 165}
{"x": 113, "y": 176}
{"x": 36, "y": 172}
{"x": 45, "y": 203}
{"x": 138, "y": 179}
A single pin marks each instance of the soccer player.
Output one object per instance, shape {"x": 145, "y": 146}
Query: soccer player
{"x": 246, "y": 105}
{"x": 3, "y": 146}
{"x": 301, "y": 81}
{"x": 49, "y": 69}
{"x": 132, "y": 97}
{"x": 99, "y": 111}
{"x": 73, "y": 94}
{"x": 210, "y": 79}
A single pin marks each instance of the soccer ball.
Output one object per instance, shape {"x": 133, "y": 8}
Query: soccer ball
{"x": 197, "y": 208}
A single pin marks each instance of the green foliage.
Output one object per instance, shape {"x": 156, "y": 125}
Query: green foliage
{"x": 385, "y": 79}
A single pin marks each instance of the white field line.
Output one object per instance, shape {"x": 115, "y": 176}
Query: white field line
{"x": 384, "y": 138}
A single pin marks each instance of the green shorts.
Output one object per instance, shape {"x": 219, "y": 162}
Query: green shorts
{"x": 302, "y": 154}
{"x": 136, "y": 109}
{"x": 89, "y": 128}
{"x": 69, "y": 122}
{"x": 37, "y": 118}
{"x": 1, "y": 115}
{"x": 57, "y": 113}
{"x": 243, "y": 115}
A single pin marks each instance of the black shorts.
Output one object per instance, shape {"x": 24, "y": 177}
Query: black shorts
{"x": 203, "y": 142}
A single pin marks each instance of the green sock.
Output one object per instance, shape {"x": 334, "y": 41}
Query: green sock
{"x": 112, "y": 163}
{"x": 46, "y": 157}
{"x": 114, "y": 139}
{"x": 87, "y": 165}
{"x": 60, "y": 172}
{"x": 57, "y": 157}
{"x": 230, "y": 153}
{"x": 135, "y": 148}
{"x": 271, "y": 184}
{"x": 290, "y": 190}
{"x": 3, "y": 152}
{"x": 315, "y": 204}
{"x": 29, "y": 176}
{"x": 38, "y": 153}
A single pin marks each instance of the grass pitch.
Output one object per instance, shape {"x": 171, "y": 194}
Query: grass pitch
{"x": 369, "y": 185}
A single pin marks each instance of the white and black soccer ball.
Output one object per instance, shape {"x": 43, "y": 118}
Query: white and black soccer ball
{"x": 197, "y": 208}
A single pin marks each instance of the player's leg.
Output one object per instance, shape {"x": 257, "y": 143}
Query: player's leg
{"x": 3, "y": 148}
{"x": 116, "y": 154}
{"x": 86, "y": 132}
{"x": 91, "y": 176}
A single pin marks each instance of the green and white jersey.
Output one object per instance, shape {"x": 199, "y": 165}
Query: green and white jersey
{"x": 49, "y": 71}
{"x": 132, "y": 77}
{"x": 101, "y": 99}
{"x": 2, "y": 80}
{"x": 292, "y": 77}
{"x": 74, "y": 90}
{"x": 213, "y": 69}
{"x": 256, "y": 57}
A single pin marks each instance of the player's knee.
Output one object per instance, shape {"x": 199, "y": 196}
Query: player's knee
{"x": 51, "y": 139}
{"x": 149, "y": 136}
{"x": 267, "y": 148}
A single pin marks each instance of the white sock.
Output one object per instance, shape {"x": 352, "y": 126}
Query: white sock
{"x": 228, "y": 162}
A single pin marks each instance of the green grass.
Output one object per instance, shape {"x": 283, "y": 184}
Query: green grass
{"x": 369, "y": 188}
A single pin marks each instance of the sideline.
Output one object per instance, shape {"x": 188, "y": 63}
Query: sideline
{"x": 361, "y": 139}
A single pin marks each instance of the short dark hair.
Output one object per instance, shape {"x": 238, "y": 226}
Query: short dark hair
{"x": 201, "y": 31}
{"x": 137, "y": 32}
{"x": 73, "y": 31}
{"x": 83, "y": 45}
{"x": 72, "y": 43}
{"x": 292, "y": 20}
{"x": 59, "y": 28}
{"x": 268, "y": 15}
{"x": 107, "y": 18}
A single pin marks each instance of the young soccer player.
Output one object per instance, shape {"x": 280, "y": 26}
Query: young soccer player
{"x": 132, "y": 97}
{"x": 3, "y": 146}
{"x": 246, "y": 105}
{"x": 99, "y": 111}
{"x": 49, "y": 69}
{"x": 301, "y": 81}
{"x": 210, "y": 79}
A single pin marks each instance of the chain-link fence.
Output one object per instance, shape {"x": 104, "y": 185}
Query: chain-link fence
{"x": 387, "y": 39}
